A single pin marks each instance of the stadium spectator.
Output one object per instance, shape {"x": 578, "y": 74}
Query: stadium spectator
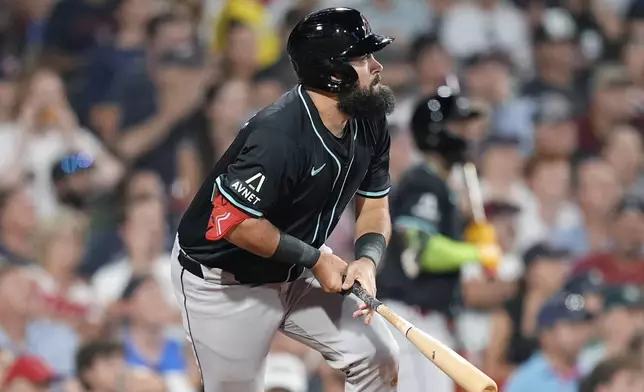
{"x": 563, "y": 328}
{"x": 124, "y": 50}
{"x": 18, "y": 222}
{"x": 143, "y": 231}
{"x": 69, "y": 299}
{"x": 621, "y": 319}
{"x": 223, "y": 116}
{"x": 143, "y": 109}
{"x": 622, "y": 262}
{"x": 239, "y": 57}
{"x": 555, "y": 132}
{"x": 473, "y": 27}
{"x": 245, "y": 37}
{"x": 431, "y": 63}
{"x": 513, "y": 337}
{"x": 104, "y": 243}
{"x": 101, "y": 367}
{"x": 24, "y": 330}
{"x": 590, "y": 286}
{"x": 146, "y": 343}
{"x": 501, "y": 167}
{"x": 48, "y": 129}
{"x": 548, "y": 207}
{"x": 619, "y": 374}
{"x": 71, "y": 178}
{"x": 623, "y": 150}
{"x": 555, "y": 48}
{"x": 596, "y": 191}
{"x": 611, "y": 95}
{"x": 487, "y": 76}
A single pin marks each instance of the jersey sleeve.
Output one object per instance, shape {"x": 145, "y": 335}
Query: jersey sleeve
{"x": 262, "y": 173}
{"x": 377, "y": 183}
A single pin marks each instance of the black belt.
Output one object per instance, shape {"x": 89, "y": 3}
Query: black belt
{"x": 190, "y": 265}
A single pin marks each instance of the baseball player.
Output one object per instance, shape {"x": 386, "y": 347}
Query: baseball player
{"x": 250, "y": 259}
{"x": 420, "y": 278}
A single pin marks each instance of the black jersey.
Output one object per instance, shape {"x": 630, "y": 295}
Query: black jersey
{"x": 422, "y": 204}
{"x": 286, "y": 167}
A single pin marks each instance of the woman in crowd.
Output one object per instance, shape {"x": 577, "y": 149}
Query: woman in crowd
{"x": 60, "y": 247}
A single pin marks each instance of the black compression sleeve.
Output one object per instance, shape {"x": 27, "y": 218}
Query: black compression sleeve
{"x": 371, "y": 246}
{"x": 293, "y": 251}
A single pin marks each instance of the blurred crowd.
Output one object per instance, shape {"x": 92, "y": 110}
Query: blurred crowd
{"x": 113, "y": 111}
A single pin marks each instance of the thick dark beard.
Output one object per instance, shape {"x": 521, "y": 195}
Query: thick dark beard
{"x": 369, "y": 102}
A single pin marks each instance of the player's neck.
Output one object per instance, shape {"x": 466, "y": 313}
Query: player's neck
{"x": 438, "y": 165}
{"x": 332, "y": 118}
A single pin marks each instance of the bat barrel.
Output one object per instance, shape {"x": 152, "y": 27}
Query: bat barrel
{"x": 455, "y": 366}
{"x": 474, "y": 192}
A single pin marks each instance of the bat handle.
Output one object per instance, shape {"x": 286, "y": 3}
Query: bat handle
{"x": 400, "y": 323}
{"x": 361, "y": 293}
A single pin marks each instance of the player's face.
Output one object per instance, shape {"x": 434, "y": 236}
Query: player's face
{"x": 368, "y": 70}
{"x": 369, "y": 98}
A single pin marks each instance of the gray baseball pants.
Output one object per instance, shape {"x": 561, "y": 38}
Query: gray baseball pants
{"x": 231, "y": 327}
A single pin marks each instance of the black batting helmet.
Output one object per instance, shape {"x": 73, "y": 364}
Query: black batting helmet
{"x": 322, "y": 43}
{"x": 429, "y": 124}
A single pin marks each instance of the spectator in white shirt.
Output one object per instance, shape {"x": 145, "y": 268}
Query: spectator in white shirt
{"x": 46, "y": 129}
{"x": 143, "y": 230}
{"x": 479, "y": 26}
{"x": 549, "y": 207}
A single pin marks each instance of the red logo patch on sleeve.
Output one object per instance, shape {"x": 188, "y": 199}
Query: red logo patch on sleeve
{"x": 223, "y": 218}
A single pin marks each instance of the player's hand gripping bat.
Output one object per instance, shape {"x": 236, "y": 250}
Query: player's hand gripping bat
{"x": 456, "y": 367}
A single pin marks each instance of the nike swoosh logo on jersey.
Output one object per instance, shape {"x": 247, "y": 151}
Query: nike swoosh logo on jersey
{"x": 315, "y": 171}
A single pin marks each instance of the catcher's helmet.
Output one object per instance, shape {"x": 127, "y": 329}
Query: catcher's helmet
{"x": 429, "y": 124}
{"x": 322, "y": 43}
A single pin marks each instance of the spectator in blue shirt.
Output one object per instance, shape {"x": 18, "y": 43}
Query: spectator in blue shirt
{"x": 564, "y": 328}
{"x": 146, "y": 342}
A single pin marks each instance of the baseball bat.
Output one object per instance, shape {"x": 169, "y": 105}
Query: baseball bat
{"x": 455, "y": 366}
{"x": 474, "y": 192}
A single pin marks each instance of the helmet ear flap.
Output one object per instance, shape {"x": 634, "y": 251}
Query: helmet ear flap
{"x": 330, "y": 75}
{"x": 342, "y": 75}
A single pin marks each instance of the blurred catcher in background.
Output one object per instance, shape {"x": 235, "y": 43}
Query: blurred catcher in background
{"x": 420, "y": 279}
